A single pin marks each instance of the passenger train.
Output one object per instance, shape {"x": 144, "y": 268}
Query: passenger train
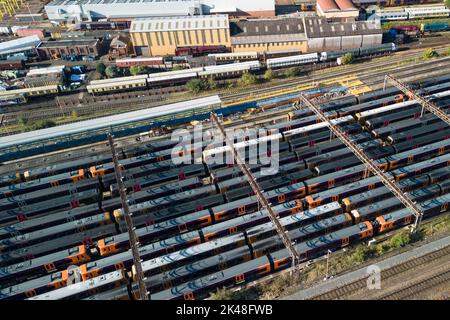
{"x": 199, "y": 225}
{"x": 411, "y": 13}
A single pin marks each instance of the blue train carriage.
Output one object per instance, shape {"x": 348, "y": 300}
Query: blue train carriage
{"x": 428, "y": 28}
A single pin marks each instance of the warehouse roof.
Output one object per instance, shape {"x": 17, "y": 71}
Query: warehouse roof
{"x": 105, "y": 122}
{"x": 267, "y": 30}
{"x": 335, "y": 5}
{"x": 219, "y": 21}
{"x": 23, "y": 42}
{"x": 319, "y": 27}
{"x": 69, "y": 43}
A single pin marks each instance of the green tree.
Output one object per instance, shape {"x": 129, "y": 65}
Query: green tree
{"x": 136, "y": 70}
{"x": 112, "y": 71}
{"x": 195, "y": 85}
{"x": 429, "y": 53}
{"x": 269, "y": 75}
{"x": 347, "y": 58}
{"x": 178, "y": 67}
{"x": 448, "y": 49}
{"x": 400, "y": 239}
{"x": 292, "y": 72}
{"x": 41, "y": 124}
{"x": 248, "y": 79}
{"x": 74, "y": 114}
{"x": 22, "y": 120}
{"x": 210, "y": 84}
{"x": 100, "y": 68}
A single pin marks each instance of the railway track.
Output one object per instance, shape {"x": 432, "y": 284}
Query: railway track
{"x": 351, "y": 288}
{"x": 366, "y": 76}
{"x": 53, "y": 245}
{"x": 116, "y": 104}
{"x": 75, "y": 153}
{"x": 442, "y": 277}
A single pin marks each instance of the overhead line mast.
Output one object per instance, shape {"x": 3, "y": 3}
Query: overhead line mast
{"x": 426, "y": 104}
{"x": 265, "y": 204}
{"x": 134, "y": 241}
{"x": 370, "y": 166}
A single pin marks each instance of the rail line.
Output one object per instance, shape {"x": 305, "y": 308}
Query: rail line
{"x": 101, "y": 147}
{"x": 342, "y": 292}
{"x": 111, "y": 101}
{"x": 417, "y": 288}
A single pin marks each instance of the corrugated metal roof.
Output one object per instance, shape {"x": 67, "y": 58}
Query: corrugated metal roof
{"x": 219, "y": 21}
{"x": 264, "y": 27}
{"x": 21, "y": 42}
{"x": 319, "y": 27}
{"x": 105, "y": 122}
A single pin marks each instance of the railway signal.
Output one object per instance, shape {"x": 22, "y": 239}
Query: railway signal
{"x": 265, "y": 205}
{"x": 370, "y": 166}
{"x": 134, "y": 241}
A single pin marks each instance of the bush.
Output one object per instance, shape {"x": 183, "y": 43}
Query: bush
{"x": 210, "y": 84}
{"x": 22, "y": 120}
{"x": 429, "y": 53}
{"x": 362, "y": 253}
{"x": 74, "y": 114}
{"x": 41, "y": 124}
{"x": 251, "y": 293}
{"x": 269, "y": 75}
{"x": 223, "y": 294}
{"x": 136, "y": 70}
{"x": 248, "y": 79}
{"x": 400, "y": 239}
{"x": 195, "y": 85}
{"x": 347, "y": 58}
{"x": 292, "y": 72}
{"x": 448, "y": 50}
{"x": 112, "y": 71}
{"x": 178, "y": 67}
{"x": 100, "y": 68}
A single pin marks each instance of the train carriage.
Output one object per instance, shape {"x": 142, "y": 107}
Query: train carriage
{"x": 85, "y": 288}
{"x": 292, "y": 60}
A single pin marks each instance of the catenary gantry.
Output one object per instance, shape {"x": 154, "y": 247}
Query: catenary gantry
{"x": 370, "y": 166}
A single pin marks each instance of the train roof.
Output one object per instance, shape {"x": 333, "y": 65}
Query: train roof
{"x": 82, "y": 287}
{"x": 105, "y": 122}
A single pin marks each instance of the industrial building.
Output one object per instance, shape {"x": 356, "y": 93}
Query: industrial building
{"x": 323, "y": 35}
{"x": 92, "y": 10}
{"x": 120, "y": 45}
{"x": 308, "y": 34}
{"x": 269, "y": 35}
{"x": 336, "y": 10}
{"x": 161, "y": 36}
{"x": 25, "y": 46}
{"x": 69, "y": 47}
